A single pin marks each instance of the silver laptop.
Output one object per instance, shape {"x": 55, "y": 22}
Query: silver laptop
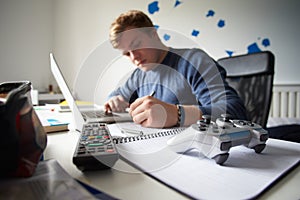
{"x": 84, "y": 114}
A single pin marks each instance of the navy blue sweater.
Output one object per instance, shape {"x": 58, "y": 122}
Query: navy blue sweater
{"x": 186, "y": 77}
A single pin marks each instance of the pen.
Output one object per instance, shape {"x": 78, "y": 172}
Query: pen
{"x": 131, "y": 131}
{"x": 152, "y": 93}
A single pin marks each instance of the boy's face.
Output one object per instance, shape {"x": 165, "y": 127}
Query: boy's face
{"x": 141, "y": 48}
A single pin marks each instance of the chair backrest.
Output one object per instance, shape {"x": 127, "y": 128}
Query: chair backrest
{"x": 251, "y": 75}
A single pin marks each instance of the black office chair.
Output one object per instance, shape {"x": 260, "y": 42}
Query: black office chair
{"x": 251, "y": 75}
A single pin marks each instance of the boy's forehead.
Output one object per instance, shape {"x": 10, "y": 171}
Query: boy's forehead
{"x": 130, "y": 34}
{"x": 128, "y": 37}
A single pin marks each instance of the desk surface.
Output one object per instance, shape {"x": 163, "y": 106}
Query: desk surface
{"x": 133, "y": 184}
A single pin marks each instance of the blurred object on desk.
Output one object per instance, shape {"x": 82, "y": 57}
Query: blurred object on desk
{"x": 51, "y": 119}
{"x": 44, "y": 98}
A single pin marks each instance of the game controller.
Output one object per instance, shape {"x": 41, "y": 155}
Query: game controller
{"x": 214, "y": 139}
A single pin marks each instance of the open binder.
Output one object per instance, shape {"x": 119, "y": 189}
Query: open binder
{"x": 245, "y": 175}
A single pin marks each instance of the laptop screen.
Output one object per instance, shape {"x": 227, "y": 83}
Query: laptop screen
{"x": 79, "y": 121}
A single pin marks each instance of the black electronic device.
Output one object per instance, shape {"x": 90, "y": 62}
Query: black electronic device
{"x": 95, "y": 149}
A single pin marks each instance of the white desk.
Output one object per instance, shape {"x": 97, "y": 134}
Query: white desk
{"x": 132, "y": 184}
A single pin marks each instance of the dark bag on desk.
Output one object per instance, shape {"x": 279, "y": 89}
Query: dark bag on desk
{"x": 23, "y": 138}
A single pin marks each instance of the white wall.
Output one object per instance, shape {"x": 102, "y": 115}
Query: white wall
{"x": 80, "y": 27}
{"x": 84, "y": 27}
{"x": 26, "y": 37}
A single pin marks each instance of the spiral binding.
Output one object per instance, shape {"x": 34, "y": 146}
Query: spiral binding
{"x": 128, "y": 139}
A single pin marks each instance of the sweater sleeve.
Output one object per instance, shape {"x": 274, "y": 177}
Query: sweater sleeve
{"x": 128, "y": 90}
{"x": 207, "y": 80}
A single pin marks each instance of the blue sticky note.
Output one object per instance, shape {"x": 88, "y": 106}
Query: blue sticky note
{"x": 153, "y": 7}
{"x": 195, "y": 33}
{"x": 210, "y": 13}
{"x": 221, "y": 23}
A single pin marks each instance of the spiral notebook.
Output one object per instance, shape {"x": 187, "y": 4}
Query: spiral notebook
{"x": 129, "y": 132}
{"x": 245, "y": 175}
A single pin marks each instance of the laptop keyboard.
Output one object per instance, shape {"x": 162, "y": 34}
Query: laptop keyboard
{"x": 96, "y": 114}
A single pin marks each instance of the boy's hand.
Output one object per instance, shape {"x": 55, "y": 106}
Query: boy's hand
{"x": 151, "y": 112}
{"x": 116, "y": 104}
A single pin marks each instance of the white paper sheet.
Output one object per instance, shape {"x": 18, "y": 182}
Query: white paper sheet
{"x": 244, "y": 175}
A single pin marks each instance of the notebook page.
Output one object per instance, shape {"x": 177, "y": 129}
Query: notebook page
{"x": 244, "y": 175}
